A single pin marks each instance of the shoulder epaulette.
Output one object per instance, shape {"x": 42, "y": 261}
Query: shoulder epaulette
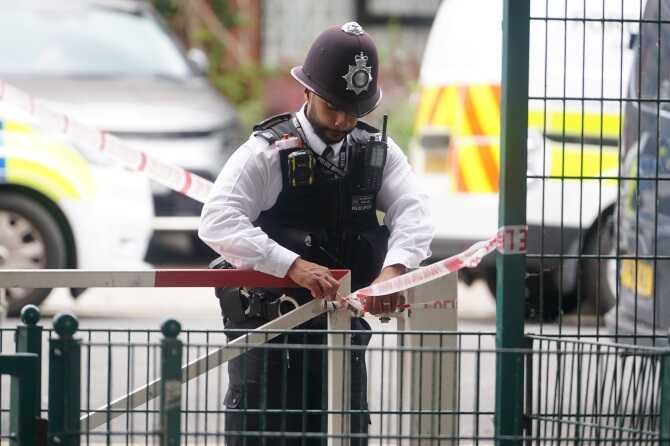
{"x": 279, "y": 131}
{"x": 272, "y": 121}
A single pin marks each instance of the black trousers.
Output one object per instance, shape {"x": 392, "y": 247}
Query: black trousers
{"x": 283, "y": 391}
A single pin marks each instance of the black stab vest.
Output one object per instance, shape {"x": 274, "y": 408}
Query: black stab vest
{"x": 325, "y": 222}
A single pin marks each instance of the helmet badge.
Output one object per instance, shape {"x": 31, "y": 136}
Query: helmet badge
{"x": 352, "y": 28}
{"x": 359, "y": 76}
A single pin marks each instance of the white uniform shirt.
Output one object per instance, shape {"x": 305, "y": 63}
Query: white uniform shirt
{"x": 251, "y": 181}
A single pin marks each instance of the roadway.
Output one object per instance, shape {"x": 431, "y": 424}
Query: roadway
{"x": 115, "y": 368}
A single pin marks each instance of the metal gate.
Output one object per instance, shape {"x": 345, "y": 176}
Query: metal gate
{"x": 585, "y": 97}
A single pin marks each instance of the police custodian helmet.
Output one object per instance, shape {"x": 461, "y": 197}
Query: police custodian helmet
{"x": 342, "y": 67}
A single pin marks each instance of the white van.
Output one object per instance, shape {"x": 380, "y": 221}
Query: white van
{"x": 573, "y": 132}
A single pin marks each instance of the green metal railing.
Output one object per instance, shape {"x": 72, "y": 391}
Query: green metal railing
{"x": 511, "y": 268}
{"x": 22, "y": 367}
{"x": 573, "y": 390}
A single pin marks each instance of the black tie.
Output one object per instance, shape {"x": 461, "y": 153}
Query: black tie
{"x": 327, "y": 153}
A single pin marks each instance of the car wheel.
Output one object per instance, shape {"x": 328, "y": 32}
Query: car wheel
{"x": 596, "y": 281}
{"x": 541, "y": 294}
{"x": 30, "y": 238}
{"x": 489, "y": 275}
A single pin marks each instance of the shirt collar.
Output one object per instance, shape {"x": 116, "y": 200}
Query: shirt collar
{"x": 313, "y": 141}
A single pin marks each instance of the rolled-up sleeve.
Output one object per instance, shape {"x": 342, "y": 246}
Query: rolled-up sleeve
{"x": 248, "y": 184}
{"x": 406, "y": 212}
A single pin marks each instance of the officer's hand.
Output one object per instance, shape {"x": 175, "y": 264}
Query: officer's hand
{"x": 387, "y": 303}
{"x": 316, "y": 278}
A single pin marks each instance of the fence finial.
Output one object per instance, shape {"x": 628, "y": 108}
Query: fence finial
{"x": 171, "y": 328}
{"x": 30, "y": 315}
{"x": 65, "y": 325}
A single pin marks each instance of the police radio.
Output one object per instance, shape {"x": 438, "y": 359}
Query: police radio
{"x": 369, "y": 168}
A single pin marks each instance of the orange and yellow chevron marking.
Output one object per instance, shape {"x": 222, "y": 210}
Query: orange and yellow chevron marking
{"x": 478, "y": 164}
{"x": 471, "y": 115}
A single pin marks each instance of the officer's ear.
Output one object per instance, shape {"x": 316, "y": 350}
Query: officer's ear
{"x": 307, "y": 94}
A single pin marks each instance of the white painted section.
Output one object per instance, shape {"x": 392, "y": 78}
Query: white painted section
{"x": 465, "y": 44}
{"x": 175, "y": 223}
{"x": 339, "y": 370}
{"x": 57, "y": 278}
{"x": 429, "y": 377}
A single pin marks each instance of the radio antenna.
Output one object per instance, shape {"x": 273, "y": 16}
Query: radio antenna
{"x": 385, "y": 121}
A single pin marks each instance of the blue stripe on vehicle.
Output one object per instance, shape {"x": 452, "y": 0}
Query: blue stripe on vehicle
{"x": 3, "y": 175}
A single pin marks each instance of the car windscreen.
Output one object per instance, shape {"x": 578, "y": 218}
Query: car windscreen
{"x": 87, "y": 41}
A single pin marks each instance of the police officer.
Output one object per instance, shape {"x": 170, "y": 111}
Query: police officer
{"x": 298, "y": 198}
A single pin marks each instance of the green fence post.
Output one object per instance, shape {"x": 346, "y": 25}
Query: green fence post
{"x": 22, "y": 366}
{"x": 64, "y": 383}
{"x": 665, "y": 400}
{"x": 28, "y": 339}
{"x": 511, "y": 268}
{"x": 171, "y": 354}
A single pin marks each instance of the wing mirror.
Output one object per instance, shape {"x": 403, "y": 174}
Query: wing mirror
{"x": 199, "y": 60}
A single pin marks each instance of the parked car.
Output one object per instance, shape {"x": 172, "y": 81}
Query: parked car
{"x": 114, "y": 65}
{"x": 640, "y": 276}
{"x": 61, "y": 207}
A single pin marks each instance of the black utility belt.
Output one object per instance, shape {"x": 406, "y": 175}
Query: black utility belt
{"x": 239, "y": 304}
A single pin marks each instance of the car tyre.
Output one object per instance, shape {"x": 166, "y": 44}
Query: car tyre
{"x": 595, "y": 283}
{"x": 30, "y": 237}
{"x": 541, "y": 295}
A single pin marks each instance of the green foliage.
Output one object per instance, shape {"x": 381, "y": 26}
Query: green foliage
{"x": 242, "y": 85}
{"x": 166, "y": 8}
{"x": 401, "y": 124}
{"x": 402, "y": 114}
{"x": 229, "y": 17}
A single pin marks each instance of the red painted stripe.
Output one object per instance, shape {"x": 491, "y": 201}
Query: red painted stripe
{"x": 187, "y": 182}
{"x": 435, "y": 105}
{"x": 489, "y": 162}
{"x": 484, "y": 152}
{"x": 496, "y": 94}
{"x": 225, "y": 278}
{"x": 143, "y": 161}
{"x": 454, "y": 264}
{"x": 457, "y": 170}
